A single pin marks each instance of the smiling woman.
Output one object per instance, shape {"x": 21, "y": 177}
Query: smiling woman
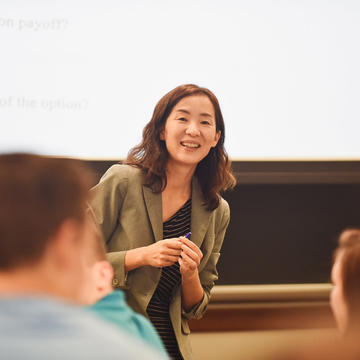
{"x": 169, "y": 187}
{"x": 152, "y": 156}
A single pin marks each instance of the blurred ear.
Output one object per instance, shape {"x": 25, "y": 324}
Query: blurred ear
{"x": 103, "y": 275}
{"x": 62, "y": 247}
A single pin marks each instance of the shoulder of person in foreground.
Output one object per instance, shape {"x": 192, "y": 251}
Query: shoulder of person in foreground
{"x": 44, "y": 328}
{"x": 114, "y": 309}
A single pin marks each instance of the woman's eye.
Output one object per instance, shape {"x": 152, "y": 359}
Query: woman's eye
{"x": 182, "y": 119}
{"x": 205, "y": 122}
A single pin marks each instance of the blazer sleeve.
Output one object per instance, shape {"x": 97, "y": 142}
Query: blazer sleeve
{"x": 106, "y": 202}
{"x": 209, "y": 273}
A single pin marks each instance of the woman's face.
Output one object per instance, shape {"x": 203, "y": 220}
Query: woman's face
{"x": 337, "y": 300}
{"x": 190, "y": 130}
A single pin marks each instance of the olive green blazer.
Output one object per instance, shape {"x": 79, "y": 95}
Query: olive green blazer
{"x": 130, "y": 216}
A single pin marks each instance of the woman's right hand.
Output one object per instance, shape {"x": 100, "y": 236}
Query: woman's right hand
{"x": 163, "y": 252}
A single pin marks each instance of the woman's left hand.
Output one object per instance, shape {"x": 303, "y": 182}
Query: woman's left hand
{"x": 190, "y": 258}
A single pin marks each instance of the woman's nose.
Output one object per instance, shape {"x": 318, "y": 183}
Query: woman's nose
{"x": 192, "y": 130}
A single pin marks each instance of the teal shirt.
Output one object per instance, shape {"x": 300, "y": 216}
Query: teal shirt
{"x": 114, "y": 308}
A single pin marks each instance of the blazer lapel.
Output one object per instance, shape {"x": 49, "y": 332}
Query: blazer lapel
{"x": 200, "y": 216}
{"x": 154, "y": 210}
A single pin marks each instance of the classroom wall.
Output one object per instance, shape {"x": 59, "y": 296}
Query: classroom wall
{"x": 253, "y": 345}
{"x": 285, "y": 217}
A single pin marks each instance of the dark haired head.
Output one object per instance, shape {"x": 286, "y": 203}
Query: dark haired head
{"x": 37, "y": 194}
{"x": 213, "y": 172}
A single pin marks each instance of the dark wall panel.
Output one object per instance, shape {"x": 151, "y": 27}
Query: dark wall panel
{"x": 285, "y": 233}
{"x": 285, "y": 217}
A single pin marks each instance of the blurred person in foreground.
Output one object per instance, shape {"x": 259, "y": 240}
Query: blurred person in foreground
{"x": 110, "y": 303}
{"x": 345, "y": 275}
{"x": 44, "y": 232}
{"x": 345, "y": 305}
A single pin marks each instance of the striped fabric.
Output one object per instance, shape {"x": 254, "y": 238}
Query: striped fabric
{"x": 158, "y": 309}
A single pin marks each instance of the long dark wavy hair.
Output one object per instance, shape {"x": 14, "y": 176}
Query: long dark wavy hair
{"x": 213, "y": 172}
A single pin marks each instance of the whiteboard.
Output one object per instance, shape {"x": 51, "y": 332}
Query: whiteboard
{"x": 81, "y": 78}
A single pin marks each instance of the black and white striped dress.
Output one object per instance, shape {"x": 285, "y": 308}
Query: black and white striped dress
{"x": 158, "y": 309}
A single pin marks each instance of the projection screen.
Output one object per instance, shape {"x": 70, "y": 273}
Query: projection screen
{"x": 81, "y": 78}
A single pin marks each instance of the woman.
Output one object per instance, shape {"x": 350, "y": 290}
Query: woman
{"x": 169, "y": 187}
{"x": 345, "y": 275}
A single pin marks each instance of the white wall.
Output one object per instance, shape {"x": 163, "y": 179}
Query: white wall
{"x": 81, "y": 78}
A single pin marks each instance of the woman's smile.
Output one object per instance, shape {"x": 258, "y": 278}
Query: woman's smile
{"x": 190, "y": 145}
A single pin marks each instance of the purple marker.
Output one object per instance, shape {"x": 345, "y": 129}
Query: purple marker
{"x": 187, "y": 236}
